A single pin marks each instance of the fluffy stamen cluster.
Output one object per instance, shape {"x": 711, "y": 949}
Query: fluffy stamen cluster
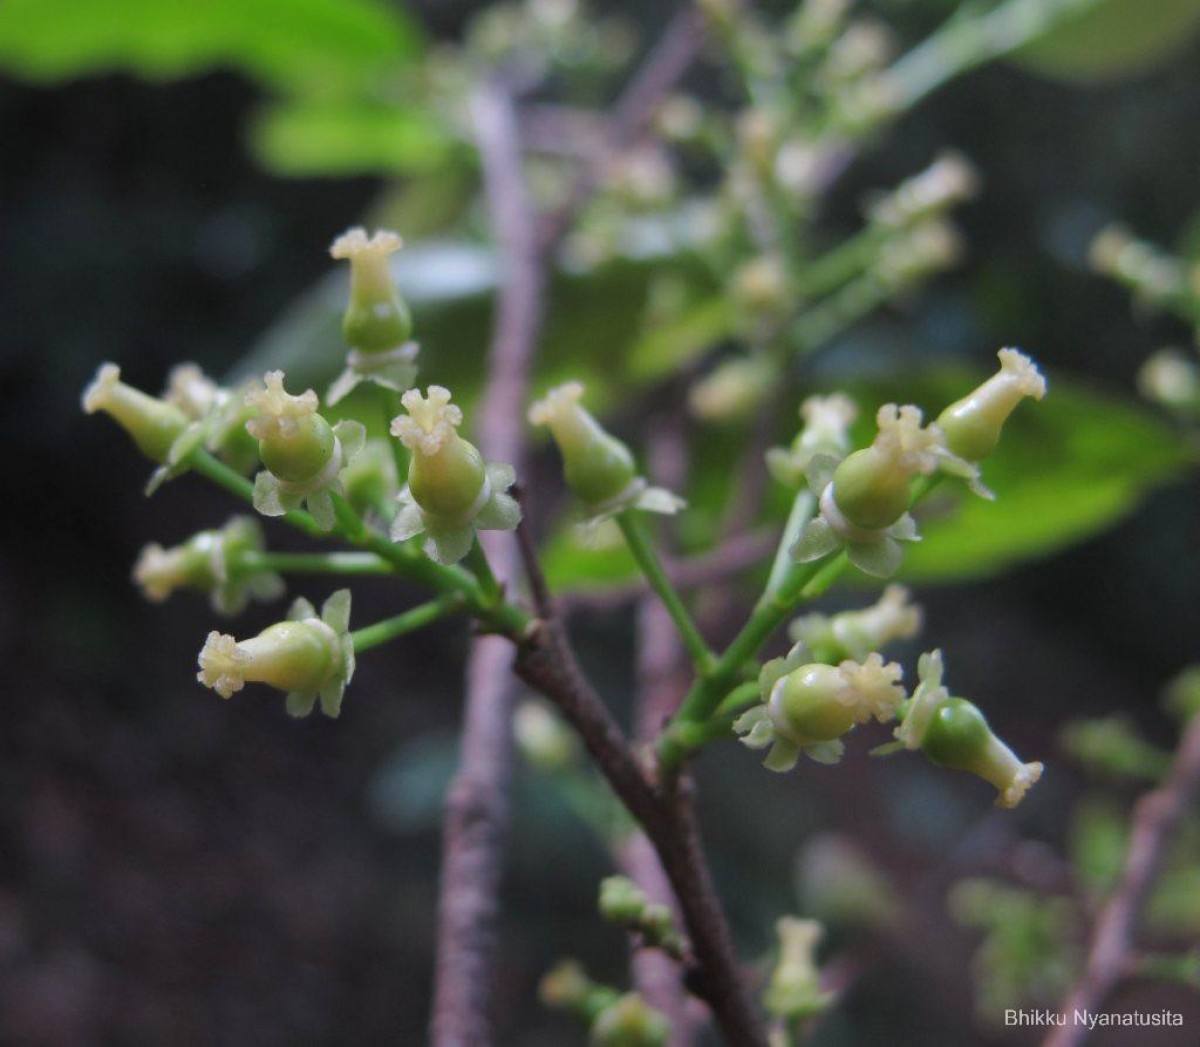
{"x": 303, "y": 454}
{"x": 308, "y": 656}
{"x": 451, "y": 492}
{"x": 599, "y": 468}
{"x": 808, "y": 706}
{"x": 952, "y": 732}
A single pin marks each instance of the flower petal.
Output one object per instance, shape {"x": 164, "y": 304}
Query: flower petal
{"x": 816, "y": 540}
{"x": 878, "y": 559}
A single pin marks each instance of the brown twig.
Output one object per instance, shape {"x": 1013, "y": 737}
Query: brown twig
{"x": 545, "y": 662}
{"x": 661, "y": 682}
{"x": 477, "y": 802}
{"x": 1155, "y": 817}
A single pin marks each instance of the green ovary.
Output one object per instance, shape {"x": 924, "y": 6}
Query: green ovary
{"x": 446, "y": 485}
{"x": 300, "y": 451}
{"x": 292, "y": 656}
{"x": 870, "y": 491}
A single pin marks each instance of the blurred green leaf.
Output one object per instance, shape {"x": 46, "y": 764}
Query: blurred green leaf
{"x": 308, "y": 46}
{"x": 574, "y": 558}
{"x": 1112, "y": 39}
{"x": 1098, "y": 839}
{"x": 340, "y": 138}
{"x": 1173, "y": 909}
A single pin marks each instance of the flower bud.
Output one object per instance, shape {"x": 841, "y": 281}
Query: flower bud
{"x": 377, "y": 319}
{"x": 306, "y": 656}
{"x": 734, "y": 390}
{"x": 208, "y": 562}
{"x": 1171, "y": 379}
{"x": 154, "y": 424}
{"x": 972, "y": 425}
{"x": 543, "y": 738}
{"x": 629, "y": 1022}
{"x": 794, "y": 991}
{"x": 566, "y": 986}
{"x": 599, "y": 468}
{"x": 621, "y": 900}
{"x": 871, "y": 486}
{"x": 953, "y": 733}
{"x": 855, "y": 634}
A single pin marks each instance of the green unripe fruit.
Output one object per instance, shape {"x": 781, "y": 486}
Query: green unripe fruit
{"x": 958, "y": 736}
{"x": 299, "y": 451}
{"x": 869, "y": 490}
{"x": 805, "y": 704}
{"x": 447, "y": 484}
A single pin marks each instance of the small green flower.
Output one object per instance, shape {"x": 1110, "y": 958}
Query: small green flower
{"x": 864, "y": 500}
{"x": 208, "y": 562}
{"x": 855, "y": 634}
{"x": 451, "y": 491}
{"x": 952, "y": 732}
{"x": 304, "y": 455}
{"x": 309, "y": 657}
{"x": 157, "y": 427}
{"x": 808, "y": 706}
{"x": 972, "y": 425}
{"x": 824, "y": 440}
{"x": 377, "y": 324}
{"x": 629, "y": 1022}
{"x": 794, "y": 991}
{"x": 599, "y": 468}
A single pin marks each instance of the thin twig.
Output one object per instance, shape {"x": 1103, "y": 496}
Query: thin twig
{"x": 1155, "y": 817}
{"x": 633, "y": 112}
{"x": 713, "y": 568}
{"x": 661, "y": 683}
{"x": 478, "y": 799}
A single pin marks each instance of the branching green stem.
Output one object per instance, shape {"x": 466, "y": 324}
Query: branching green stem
{"x": 416, "y": 618}
{"x": 406, "y": 560}
{"x": 647, "y": 559}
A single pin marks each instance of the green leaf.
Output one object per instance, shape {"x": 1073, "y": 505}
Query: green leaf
{"x": 319, "y": 47}
{"x": 573, "y": 559}
{"x": 1112, "y": 39}
{"x": 337, "y": 139}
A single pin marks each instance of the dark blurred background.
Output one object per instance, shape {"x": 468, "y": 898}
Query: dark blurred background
{"x": 176, "y": 869}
